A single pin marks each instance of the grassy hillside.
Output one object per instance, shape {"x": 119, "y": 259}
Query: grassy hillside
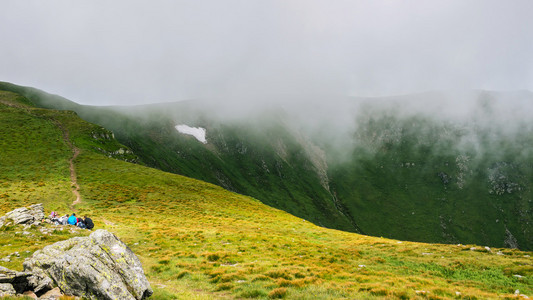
{"x": 387, "y": 167}
{"x": 199, "y": 241}
{"x": 410, "y": 179}
{"x": 262, "y": 159}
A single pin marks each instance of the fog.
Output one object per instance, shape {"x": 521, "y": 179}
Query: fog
{"x": 135, "y": 52}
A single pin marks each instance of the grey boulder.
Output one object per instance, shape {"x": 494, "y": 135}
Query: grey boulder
{"x": 12, "y": 281}
{"x": 32, "y": 215}
{"x": 37, "y": 211}
{"x": 6, "y": 289}
{"x": 99, "y": 266}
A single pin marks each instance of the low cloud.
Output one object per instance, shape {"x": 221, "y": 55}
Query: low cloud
{"x": 132, "y": 52}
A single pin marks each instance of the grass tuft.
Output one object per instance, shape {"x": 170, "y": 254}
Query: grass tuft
{"x": 278, "y": 293}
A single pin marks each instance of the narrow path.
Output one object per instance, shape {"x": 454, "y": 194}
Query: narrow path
{"x": 75, "y": 152}
{"x": 73, "y": 177}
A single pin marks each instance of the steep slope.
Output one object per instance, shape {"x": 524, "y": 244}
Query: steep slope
{"x": 264, "y": 158}
{"x": 197, "y": 240}
{"x": 434, "y": 167}
{"x": 418, "y": 179}
{"x": 40, "y": 163}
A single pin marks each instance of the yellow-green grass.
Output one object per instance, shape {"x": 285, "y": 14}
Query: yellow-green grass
{"x": 199, "y": 241}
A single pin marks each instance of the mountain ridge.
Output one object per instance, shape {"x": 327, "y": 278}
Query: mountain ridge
{"x": 197, "y": 240}
{"x": 403, "y": 168}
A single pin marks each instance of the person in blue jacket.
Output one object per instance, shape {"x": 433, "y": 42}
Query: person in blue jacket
{"x": 72, "y": 220}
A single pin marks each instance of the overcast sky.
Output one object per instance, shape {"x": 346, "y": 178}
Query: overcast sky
{"x": 130, "y": 52}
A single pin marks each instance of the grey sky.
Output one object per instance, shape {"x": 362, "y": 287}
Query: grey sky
{"x": 130, "y": 52}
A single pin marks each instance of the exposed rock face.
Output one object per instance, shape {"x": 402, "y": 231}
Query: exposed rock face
{"x": 52, "y": 294}
{"x": 510, "y": 240}
{"x": 12, "y": 282}
{"x": 99, "y": 266}
{"x": 23, "y": 215}
{"x": 7, "y": 289}
{"x": 37, "y": 211}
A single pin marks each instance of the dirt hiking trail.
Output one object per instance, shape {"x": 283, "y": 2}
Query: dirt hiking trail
{"x": 73, "y": 177}
{"x": 75, "y": 152}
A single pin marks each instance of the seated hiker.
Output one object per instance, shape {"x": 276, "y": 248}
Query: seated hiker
{"x": 54, "y": 218}
{"x": 63, "y": 220}
{"x": 72, "y": 220}
{"x": 88, "y": 222}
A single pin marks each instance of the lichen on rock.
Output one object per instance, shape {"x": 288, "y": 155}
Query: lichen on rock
{"x": 12, "y": 282}
{"x": 99, "y": 266}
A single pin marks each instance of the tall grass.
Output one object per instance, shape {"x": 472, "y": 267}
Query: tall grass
{"x": 199, "y": 241}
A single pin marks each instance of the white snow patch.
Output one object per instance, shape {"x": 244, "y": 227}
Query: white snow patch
{"x": 197, "y": 132}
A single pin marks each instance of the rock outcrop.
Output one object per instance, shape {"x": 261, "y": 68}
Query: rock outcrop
{"x": 99, "y": 266}
{"x": 7, "y": 289}
{"x": 12, "y": 282}
{"x": 16, "y": 284}
{"x": 32, "y": 215}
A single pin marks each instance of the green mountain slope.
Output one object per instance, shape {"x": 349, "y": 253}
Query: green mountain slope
{"x": 199, "y": 241}
{"x": 263, "y": 159}
{"x": 419, "y": 185}
{"x": 384, "y": 167}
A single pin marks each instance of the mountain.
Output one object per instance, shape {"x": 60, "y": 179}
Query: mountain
{"x": 197, "y": 240}
{"x": 434, "y": 167}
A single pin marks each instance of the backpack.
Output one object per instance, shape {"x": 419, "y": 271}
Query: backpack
{"x": 89, "y": 223}
{"x": 81, "y": 224}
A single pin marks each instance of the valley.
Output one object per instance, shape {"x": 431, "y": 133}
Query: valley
{"x": 199, "y": 241}
{"x": 455, "y": 171}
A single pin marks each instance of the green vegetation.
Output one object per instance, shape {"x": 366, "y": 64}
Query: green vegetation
{"x": 403, "y": 175}
{"x": 409, "y": 179}
{"x": 199, "y": 241}
{"x": 243, "y": 157}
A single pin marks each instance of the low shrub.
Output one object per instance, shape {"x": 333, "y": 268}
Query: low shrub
{"x": 279, "y": 274}
{"x": 213, "y": 257}
{"x": 261, "y": 277}
{"x": 182, "y": 274}
{"x": 277, "y": 293}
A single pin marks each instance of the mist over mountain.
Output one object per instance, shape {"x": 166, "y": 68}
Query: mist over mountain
{"x": 296, "y": 149}
{"x": 448, "y": 167}
{"x": 202, "y": 241}
{"x": 171, "y": 50}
